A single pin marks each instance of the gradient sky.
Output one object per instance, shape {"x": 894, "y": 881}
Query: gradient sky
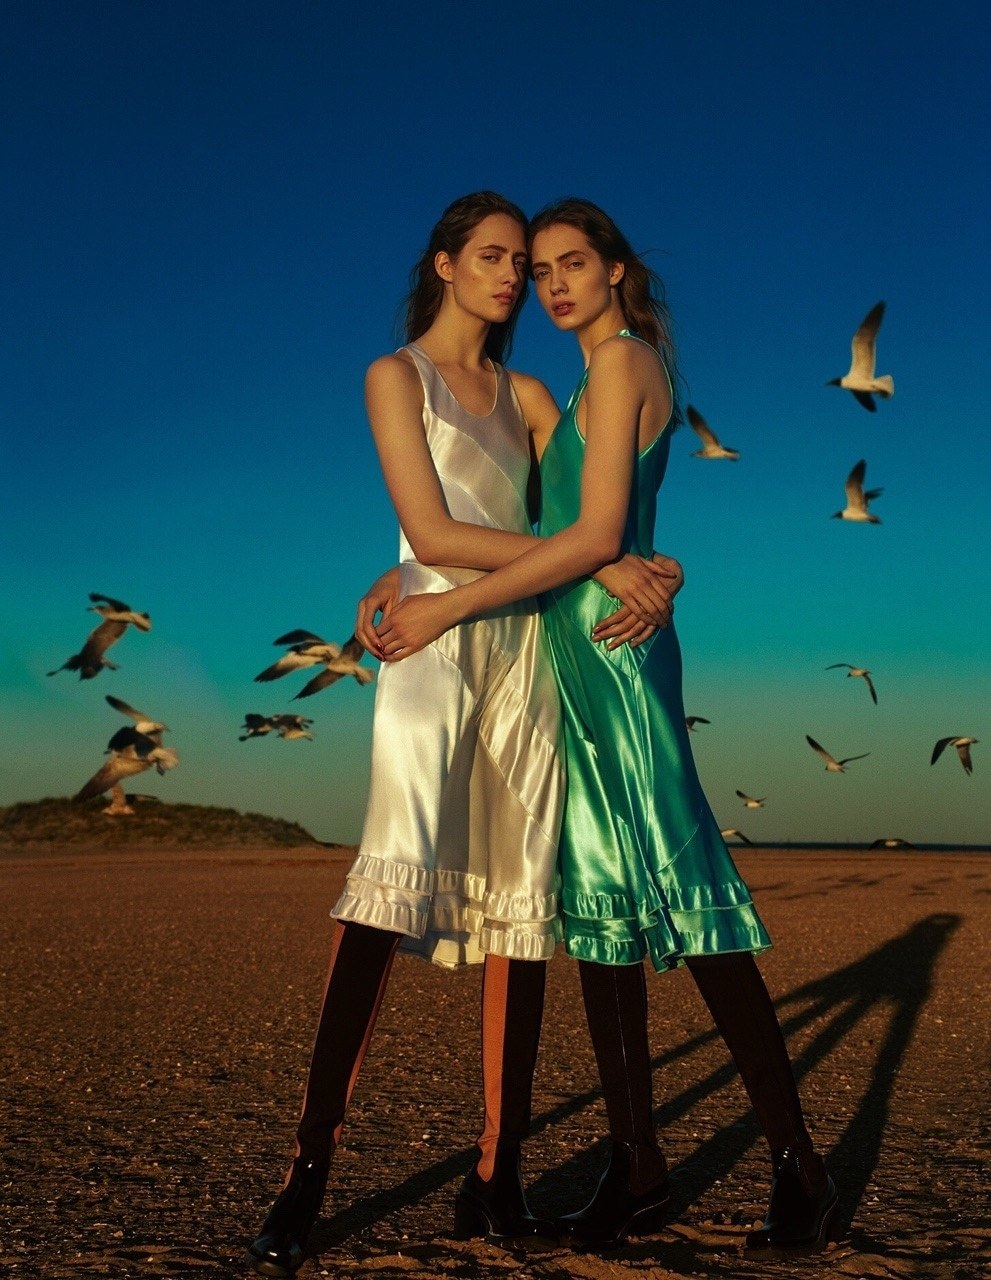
{"x": 214, "y": 208}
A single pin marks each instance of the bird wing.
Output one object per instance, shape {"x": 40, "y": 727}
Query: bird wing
{"x": 120, "y": 705}
{"x": 700, "y": 426}
{"x": 963, "y": 751}
{"x": 299, "y": 637}
{"x": 321, "y": 681}
{"x": 119, "y": 605}
{"x": 854, "y": 486}
{"x": 353, "y": 649}
{"x": 863, "y": 345}
{"x": 849, "y": 758}
{"x": 753, "y": 799}
{"x": 820, "y": 750}
{"x": 294, "y": 660}
{"x": 128, "y": 737}
{"x": 289, "y": 721}
{"x": 99, "y": 641}
{"x": 832, "y": 665}
{"x": 939, "y": 748}
{"x": 866, "y": 399}
{"x": 117, "y": 767}
{"x": 870, "y": 684}
{"x": 253, "y": 720}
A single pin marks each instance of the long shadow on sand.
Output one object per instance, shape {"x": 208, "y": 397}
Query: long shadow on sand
{"x": 898, "y": 975}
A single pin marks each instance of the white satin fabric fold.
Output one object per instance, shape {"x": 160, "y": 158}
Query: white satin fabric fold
{"x": 459, "y": 848}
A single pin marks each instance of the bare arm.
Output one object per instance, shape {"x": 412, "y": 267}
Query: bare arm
{"x": 394, "y": 400}
{"x": 614, "y": 398}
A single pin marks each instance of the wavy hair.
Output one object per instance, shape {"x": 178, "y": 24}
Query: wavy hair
{"x": 450, "y": 235}
{"x": 641, "y": 290}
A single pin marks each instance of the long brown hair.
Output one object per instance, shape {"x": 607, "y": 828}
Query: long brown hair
{"x": 641, "y": 291}
{"x": 450, "y": 235}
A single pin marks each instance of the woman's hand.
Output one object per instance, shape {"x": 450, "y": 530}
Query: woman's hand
{"x": 380, "y": 597}
{"x": 632, "y": 623}
{"x": 643, "y": 586}
{"x": 414, "y": 622}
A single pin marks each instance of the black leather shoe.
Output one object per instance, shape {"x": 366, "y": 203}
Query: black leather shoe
{"x": 615, "y": 1211}
{"x": 497, "y": 1209}
{"x": 279, "y": 1249}
{"x": 802, "y": 1209}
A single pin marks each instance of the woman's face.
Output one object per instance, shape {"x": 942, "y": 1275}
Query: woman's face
{"x": 489, "y": 272}
{"x": 573, "y": 283}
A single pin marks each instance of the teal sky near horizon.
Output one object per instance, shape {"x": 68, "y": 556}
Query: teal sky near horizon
{"x": 213, "y": 213}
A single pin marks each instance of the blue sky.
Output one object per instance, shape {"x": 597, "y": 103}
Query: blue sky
{"x": 214, "y": 211}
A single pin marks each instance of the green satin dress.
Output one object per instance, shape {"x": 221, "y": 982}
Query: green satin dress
{"x": 644, "y": 869}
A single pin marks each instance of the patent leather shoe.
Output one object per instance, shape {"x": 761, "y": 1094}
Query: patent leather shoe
{"x": 497, "y": 1209}
{"x": 615, "y": 1211}
{"x": 802, "y": 1209}
{"x": 280, "y": 1247}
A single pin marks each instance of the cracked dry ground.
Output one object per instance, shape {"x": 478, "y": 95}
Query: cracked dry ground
{"x": 158, "y": 1011}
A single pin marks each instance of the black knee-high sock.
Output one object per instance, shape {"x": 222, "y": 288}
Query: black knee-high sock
{"x": 616, "y": 1009}
{"x": 360, "y": 963}
{"x": 732, "y": 987}
{"x": 512, "y": 1009}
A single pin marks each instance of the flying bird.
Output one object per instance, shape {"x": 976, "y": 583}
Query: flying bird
{"x": 143, "y": 723}
{"x": 832, "y": 764}
{"x": 346, "y": 662}
{"x": 711, "y": 448}
{"x": 692, "y": 721}
{"x": 309, "y": 650}
{"x": 856, "y": 498}
{"x": 890, "y": 842}
{"x": 749, "y": 802}
{"x": 131, "y": 752}
{"x": 857, "y": 671}
{"x": 860, "y": 379}
{"x": 255, "y": 726}
{"x": 292, "y": 727}
{"x": 963, "y": 746}
{"x": 733, "y": 833}
{"x": 117, "y": 617}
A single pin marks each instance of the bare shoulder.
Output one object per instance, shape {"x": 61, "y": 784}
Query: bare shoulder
{"x": 393, "y": 374}
{"x": 538, "y": 405}
{"x": 620, "y": 355}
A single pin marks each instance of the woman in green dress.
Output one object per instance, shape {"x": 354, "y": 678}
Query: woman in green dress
{"x": 645, "y": 872}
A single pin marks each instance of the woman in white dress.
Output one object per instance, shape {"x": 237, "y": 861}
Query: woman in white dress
{"x": 457, "y": 861}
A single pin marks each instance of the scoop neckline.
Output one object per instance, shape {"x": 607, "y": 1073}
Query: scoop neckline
{"x": 480, "y": 417}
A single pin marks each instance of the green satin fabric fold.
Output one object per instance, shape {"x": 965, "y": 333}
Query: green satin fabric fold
{"x": 644, "y": 870}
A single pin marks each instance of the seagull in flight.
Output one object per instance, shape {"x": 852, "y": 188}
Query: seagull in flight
{"x": 860, "y": 379}
{"x": 963, "y": 746}
{"x": 692, "y": 721}
{"x": 255, "y": 726}
{"x": 130, "y": 752}
{"x": 346, "y": 662}
{"x": 143, "y": 724}
{"x": 856, "y": 497}
{"x": 291, "y": 727}
{"x": 749, "y": 802}
{"x": 832, "y": 764}
{"x": 310, "y": 650}
{"x": 711, "y": 448}
{"x": 117, "y": 617}
{"x": 864, "y": 674}
{"x": 734, "y": 833}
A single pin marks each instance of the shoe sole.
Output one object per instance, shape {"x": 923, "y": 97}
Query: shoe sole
{"x": 262, "y": 1268}
{"x": 799, "y": 1250}
{"x": 645, "y": 1222}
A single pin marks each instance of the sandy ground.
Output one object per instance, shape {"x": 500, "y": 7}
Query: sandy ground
{"x": 157, "y": 1015}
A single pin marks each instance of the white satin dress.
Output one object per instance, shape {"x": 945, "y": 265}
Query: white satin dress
{"x": 459, "y": 848}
